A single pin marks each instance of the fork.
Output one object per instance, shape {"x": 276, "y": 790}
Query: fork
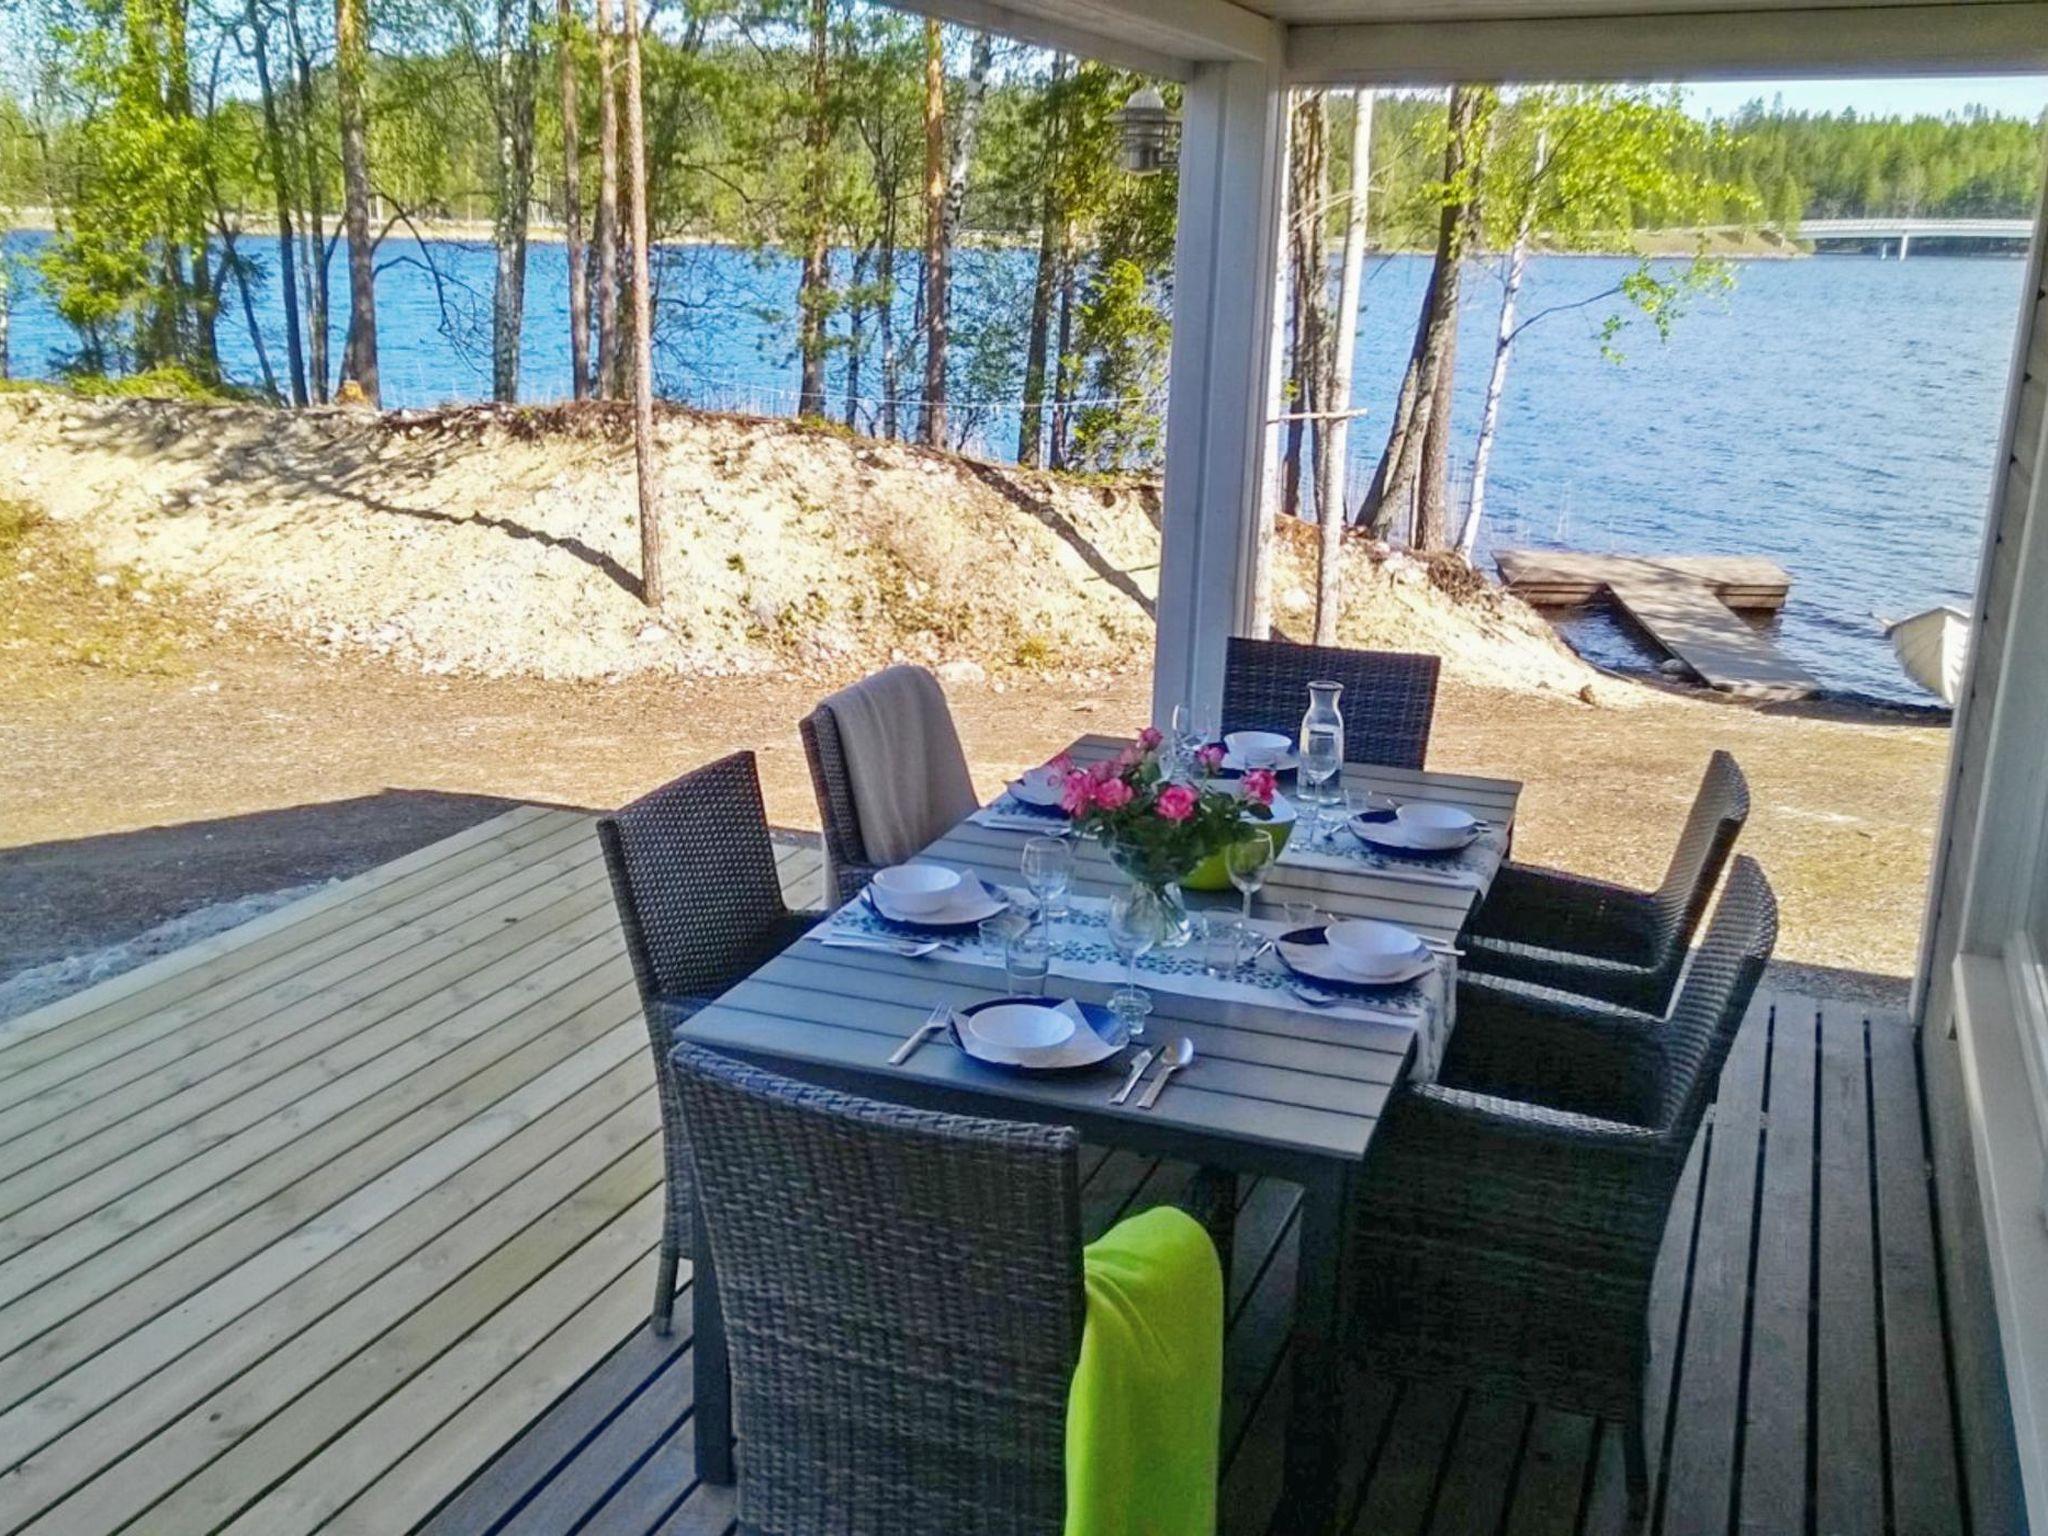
{"x": 938, "y": 1020}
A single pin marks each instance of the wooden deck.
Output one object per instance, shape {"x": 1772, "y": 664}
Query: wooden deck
{"x": 345, "y": 1221}
{"x": 1683, "y": 604}
{"x": 1557, "y": 578}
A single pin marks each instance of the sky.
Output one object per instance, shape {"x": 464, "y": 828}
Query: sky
{"x": 2009, "y": 95}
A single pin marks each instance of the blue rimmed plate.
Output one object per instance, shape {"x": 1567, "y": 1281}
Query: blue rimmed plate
{"x": 1098, "y": 1035}
{"x": 971, "y": 904}
{"x": 1382, "y": 833}
{"x": 1306, "y": 952}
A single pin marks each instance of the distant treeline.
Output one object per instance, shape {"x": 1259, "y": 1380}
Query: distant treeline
{"x": 437, "y": 147}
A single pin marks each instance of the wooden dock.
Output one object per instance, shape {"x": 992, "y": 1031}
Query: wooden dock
{"x": 1555, "y": 578}
{"x": 1683, "y": 603}
{"x": 344, "y": 1221}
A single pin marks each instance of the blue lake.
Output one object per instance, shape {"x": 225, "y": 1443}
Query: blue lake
{"x": 1837, "y": 414}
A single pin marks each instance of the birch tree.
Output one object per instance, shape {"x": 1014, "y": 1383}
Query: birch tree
{"x": 652, "y": 591}
{"x": 1577, "y": 165}
{"x": 1331, "y": 503}
{"x": 351, "y": 86}
{"x": 604, "y": 254}
{"x": 572, "y": 202}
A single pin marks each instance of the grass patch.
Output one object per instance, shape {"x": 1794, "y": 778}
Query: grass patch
{"x": 59, "y": 609}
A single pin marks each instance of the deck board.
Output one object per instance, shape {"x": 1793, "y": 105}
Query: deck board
{"x": 375, "y": 1254}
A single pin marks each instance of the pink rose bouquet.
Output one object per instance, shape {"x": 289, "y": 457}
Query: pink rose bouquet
{"x": 1158, "y": 828}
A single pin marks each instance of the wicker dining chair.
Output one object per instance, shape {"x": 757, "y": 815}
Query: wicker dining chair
{"x": 903, "y": 1306}
{"x": 846, "y": 855}
{"x": 1605, "y": 941}
{"x": 1507, "y": 1244}
{"x": 700, "y": 900}
{"x": 1388, "y": 702}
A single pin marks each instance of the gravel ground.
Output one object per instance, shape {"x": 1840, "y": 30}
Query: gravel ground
{"x": 126, "y": 800}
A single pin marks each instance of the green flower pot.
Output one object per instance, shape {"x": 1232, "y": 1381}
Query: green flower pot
{"x": 1212, "y": 874}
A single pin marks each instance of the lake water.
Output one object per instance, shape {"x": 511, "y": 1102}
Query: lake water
{"x": 1836, "y": 414}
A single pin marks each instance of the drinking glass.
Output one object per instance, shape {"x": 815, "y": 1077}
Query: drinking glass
{"x": 1322, "y": 759}
{"x": 1301, "y": 914}
{"x": 1048, "y": 870}
{"x": 1027, "y": 958}
{"x": 1134, "y": 921}
{"x": 1224, "y": 941}
{"x": 1247, "y": 863}
{"x": 997, "y": 931}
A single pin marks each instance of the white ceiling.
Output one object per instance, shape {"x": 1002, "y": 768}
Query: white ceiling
{"x": 1431, "y": 41}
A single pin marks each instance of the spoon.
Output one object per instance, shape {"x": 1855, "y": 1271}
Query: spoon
{"x": 1176, "y": 1056}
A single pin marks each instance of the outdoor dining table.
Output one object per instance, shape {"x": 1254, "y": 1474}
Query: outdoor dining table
{"x": 1279, "y": 1089}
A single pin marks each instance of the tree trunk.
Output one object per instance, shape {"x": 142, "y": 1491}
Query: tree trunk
{"x": 605, "y": 251}
{"x": 514, "y": 85}
{"x": 313, "y": 245}
{"x": 1307, "y": 192}
{"x": 651, "y": 591}
{"x": 931, "y": 420}
{"x": 1063, "y": 370}
{"x": 1503, "y": 346}
{"x": 1331, "y": 504}
{"x": 280, "y": 187}
{"x": 199, "y": 346}
{"x": 1405, "y": 475}
{"x": 885, "y": 282}
{"x": 572, "y": 204}
{"x": 1031, "y": 420}
{"x": 351, "y": 69}
{"x": 856, "y": 332}
{"x": 814, "y": 288}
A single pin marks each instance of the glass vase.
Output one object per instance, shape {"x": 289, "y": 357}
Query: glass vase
{"x": 1160, "y": 875}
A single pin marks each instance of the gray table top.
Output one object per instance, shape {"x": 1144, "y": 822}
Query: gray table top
{"x": 1270, "y": 1086}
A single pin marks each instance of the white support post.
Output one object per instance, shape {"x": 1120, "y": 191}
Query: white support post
{"x": 1230, "y": 199}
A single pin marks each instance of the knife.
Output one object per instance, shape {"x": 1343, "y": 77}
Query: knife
{"x": 1138, "y": 1065}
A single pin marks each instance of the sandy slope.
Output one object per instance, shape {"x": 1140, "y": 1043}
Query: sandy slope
{"x": 506, "y": 544}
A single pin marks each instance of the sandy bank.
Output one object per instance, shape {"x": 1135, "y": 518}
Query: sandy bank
{"x": 505, "y": 543}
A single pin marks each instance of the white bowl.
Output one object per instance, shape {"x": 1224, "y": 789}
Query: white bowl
{"x": 1436, "y": 826}
{"x": 1257, "y": 749}
{"x": 1370, "y": 949}
{"x": 1039, "y": 786}
{"x": 1021, "y": 1026}
{"x": 917, "y": 888}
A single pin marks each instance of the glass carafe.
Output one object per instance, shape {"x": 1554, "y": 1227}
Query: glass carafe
{"x": 1322, "y": 745}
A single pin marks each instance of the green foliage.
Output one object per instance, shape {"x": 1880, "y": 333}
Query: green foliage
{"x": 1128, "y": 334}
{"x": 167, "y": 381}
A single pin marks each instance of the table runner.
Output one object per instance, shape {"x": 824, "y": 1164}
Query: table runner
{"x": 1081, "y": 951}
{"x": 1471, "y": 868}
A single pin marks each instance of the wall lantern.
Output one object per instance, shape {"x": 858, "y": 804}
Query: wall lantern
{"x": 1151, "y": 133}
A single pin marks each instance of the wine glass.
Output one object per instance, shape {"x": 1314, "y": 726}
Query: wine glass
{"x": 1322, "y": 759}
{"x": 1247, "y": 863}
{"x": 1048, "y": 869}
{"x": 1134, "y": 921}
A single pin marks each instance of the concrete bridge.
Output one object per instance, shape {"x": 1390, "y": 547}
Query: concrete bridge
{"x": 1895, "y": 236}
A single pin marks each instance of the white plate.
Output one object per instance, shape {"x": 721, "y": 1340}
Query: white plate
{"x": 1041, "y": 787}
{"x": 1021, "y": 1027}
{"x": 1287, "y": 762}
{"x": 1084, "y": 1047}
{"x": 968, "y": 905}
{"x": 1391, "y": 834}
{"x": 1319, "y": 963}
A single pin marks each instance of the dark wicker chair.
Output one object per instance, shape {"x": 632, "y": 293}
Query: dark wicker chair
{"x": 846, "y": 855}
{"x": 1508, "y": 1244}
{"x": 1605, "y": 941}
{"x": 700, "y": 900}
{"x": 1388, "y": 702}
{"x": 903, "y": 1306}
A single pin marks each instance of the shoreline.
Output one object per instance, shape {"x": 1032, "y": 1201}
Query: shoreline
{"x": 1762, "y": 244}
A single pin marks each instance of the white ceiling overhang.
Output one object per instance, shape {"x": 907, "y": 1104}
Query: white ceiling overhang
{"x": 1419, "y": 42}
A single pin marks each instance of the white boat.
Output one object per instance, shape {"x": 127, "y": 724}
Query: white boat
{"x": 1933, "y": 647}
